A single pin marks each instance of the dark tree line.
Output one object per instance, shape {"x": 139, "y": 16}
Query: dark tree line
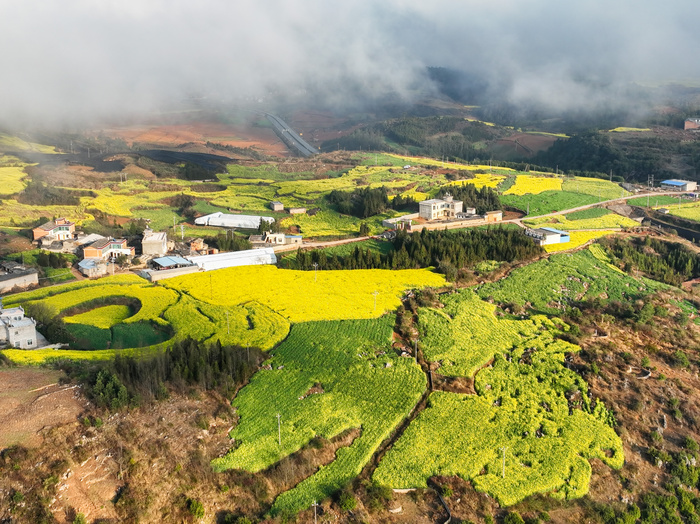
{"x": 129, "y": 380}
{"x": 366, "y": 202}
{"x": 484, "y": 199}
{"x": 668, "y": 262}
{"x": 448, "y": 251}
{"x": 40, "y": 194}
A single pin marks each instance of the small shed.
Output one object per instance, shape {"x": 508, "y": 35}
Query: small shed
{"x": 277, "y": 206}
{"x": 679, "y": 185}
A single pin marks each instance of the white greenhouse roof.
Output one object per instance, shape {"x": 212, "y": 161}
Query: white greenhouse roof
{"x": 228, "y": 220}
{"x": 248, "y": 257}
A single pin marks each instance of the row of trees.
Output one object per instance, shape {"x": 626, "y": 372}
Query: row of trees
{"x": 448, "y": 251}
{"x": 484, "y": 199}
{"x": 366, "y": 202}
{"x": 129, "y": 380}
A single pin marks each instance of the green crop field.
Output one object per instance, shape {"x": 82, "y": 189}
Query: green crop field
{"x": 465, "y": 334}
{"x": 565, "y": 277}
{"x": 653, "y": 200}
{"x": 363, "y": 383}
{"x": 548, "y": 201}
{"x": 520, "y": 412}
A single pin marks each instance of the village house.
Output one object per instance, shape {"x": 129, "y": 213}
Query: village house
{"x": 16, "y": 330}
{"x": 108, "y": 248}
{"x": 277, "y": 239}
{"x": 692, "y": 123}
{"x": 15, "y": 275}
{"x": 154, "y": 243}
{"x": 436, "y": 208}
{"x": 55, "y": 230}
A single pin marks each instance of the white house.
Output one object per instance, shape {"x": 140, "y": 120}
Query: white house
{"x": 16, "y": 330}
{"x": 437, "y": 208}
{"x": 154, "y": 243}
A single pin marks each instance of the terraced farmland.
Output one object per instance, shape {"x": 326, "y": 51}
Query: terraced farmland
{"x": 327, "y": 377}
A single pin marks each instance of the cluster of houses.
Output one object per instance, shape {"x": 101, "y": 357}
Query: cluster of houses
{"x": 437, "y": 213}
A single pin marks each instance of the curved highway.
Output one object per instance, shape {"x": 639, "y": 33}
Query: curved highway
{"x": 290, "y": 137}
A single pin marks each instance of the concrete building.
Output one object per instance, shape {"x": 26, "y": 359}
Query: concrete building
{"x": 154, "y": 243}
{"x": 14, "y": 275}
{"x": 16, "y": 330}
{"x": 108, "y": 248}
{"x": 436, "y": 208}
{"x": 277, "y": 206}
{"x": 679, "y": 185}
{"x": 55, "y": 230}
{"x": 248, "y": 257}
{"x": 93, "y": 267}
{"x": 280, "y": 239}
{"x": 297, "y": 210}
{"x": 546, "y": 235}
{"x": 692, "y": 123}
{"x": 232, "y": 221}
{"x": 493, "y": 216}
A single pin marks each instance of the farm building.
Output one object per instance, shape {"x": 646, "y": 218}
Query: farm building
{"x": 278, "y": 239}
{"x": 400, "y": 222}
{"x": 15, "y": 275}
{"x": 493, "y": 216}
{"x": 92, "y": 267}
{"x": 154, "y": 243}
{"x": 679, "y": 185}
{"x": 232, "y": 221}
{"x": 108, "y": 248}
{"x": 547, "y": 235}
{"x": 692, "y": 123}
{"x": 437, "y": 208}
{"x": 277, "y": 206}
{"x": 16, "y": 330}
{"x": 55, "y": 230}
{"x": 171, "y": 262}
{"x": 248, "y": 257}
{"x": 297, "y": 210}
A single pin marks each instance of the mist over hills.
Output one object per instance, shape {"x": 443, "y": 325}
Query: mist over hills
{"x": 77, "y": 61}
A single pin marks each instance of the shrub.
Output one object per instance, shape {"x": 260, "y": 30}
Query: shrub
{"x": 347, "y": 501}
{"x": 196, "y": 508}
{"x": 690, "y": 444}
{"x": 513, "y": 518}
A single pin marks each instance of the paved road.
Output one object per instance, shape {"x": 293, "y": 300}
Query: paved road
{"x": 290, "y": 137}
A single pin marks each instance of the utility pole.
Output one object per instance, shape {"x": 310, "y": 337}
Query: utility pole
{"x": 182, "y": 231}
{"x": 504, "y": 461}
{"x": 315, "y": 505}
{"x": 279, "y": 429}
{"x": 375, "y": 300}
{"x": 315, "y": 264}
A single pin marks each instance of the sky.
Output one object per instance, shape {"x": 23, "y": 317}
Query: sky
{"x": 90, "y": 59}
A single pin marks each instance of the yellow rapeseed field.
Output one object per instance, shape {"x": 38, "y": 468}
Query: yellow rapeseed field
{"x": 578, "y": 238}
{"x": 605, "y": 222}
{"x": 525, "y": 184}
{"x": 302, "y": 296}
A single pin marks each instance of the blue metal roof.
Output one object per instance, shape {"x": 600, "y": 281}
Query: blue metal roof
{"x": 172, "y": 261}
{"x": 674, "y": 182}
{"x": 552, "y": 230}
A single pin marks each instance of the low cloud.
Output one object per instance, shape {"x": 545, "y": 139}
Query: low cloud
{"x": 77, "y": 60}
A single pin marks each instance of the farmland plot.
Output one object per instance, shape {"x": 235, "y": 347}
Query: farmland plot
{"x": 357, "y": 381}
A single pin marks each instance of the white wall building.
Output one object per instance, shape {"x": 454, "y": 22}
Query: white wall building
{"x": 437, "y": 208}
{"x": 16, "y": 330}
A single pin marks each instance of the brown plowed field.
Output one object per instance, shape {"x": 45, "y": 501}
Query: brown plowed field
{"x": 261, "y": 139}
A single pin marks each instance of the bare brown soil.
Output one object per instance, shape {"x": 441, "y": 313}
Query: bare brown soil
{"x": 32, "y": 400}
{"x": 199, "y": 133}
